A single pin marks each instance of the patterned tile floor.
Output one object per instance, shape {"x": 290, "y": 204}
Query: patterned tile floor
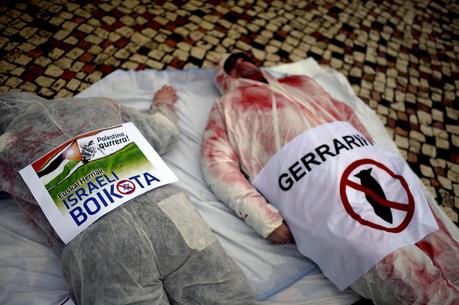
{"x": 400, "y": 56}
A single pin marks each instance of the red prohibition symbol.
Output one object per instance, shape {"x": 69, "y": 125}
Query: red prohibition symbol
{"x": 125, "y": 187}
{"x": 408, "y": 208}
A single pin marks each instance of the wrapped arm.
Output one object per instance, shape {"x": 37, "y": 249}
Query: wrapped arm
{"x": 159, "y": 126}
{"x": 221, "y": 170}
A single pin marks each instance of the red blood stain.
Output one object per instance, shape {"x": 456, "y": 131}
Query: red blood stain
{"x": 256, "y": 97}
{"x": 426, "y": 247}
{"x": 293, "y": 80}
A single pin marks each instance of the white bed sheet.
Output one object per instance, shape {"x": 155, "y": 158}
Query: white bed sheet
{"x": 30, "y": 272}
{"x": 278, "y": 273}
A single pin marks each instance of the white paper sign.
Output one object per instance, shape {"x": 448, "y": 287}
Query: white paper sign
{"x": 348, "y": 203}
{"x": 92, "y": 174}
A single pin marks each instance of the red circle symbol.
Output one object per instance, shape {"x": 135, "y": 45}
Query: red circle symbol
{"x": 408, "y": 208}
{"x": 125, "y": 187}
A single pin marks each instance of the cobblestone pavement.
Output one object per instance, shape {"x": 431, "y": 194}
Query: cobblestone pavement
{"x": 400, "y": 56}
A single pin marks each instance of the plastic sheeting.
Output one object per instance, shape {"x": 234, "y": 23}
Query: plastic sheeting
{"x": 141, "y": 251}
{"x": 269, "y": 268}
{"x": 154, "y": 250}
{"x": 250, "y": 124}
{"x": 276, "y": 272}
{"x": 30, "y": 273}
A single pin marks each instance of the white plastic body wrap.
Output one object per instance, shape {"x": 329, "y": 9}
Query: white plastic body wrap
{"x": 249, "y": 124}
{"x": 155, "y": 249}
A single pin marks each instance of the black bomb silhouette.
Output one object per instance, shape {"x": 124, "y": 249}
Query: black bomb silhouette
{"x": 371, "y": 183}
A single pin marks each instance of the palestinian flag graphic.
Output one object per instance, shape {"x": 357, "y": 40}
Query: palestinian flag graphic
{"x": 61, "y": 161}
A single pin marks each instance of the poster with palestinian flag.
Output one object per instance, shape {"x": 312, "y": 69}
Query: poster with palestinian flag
{"x": 89, "y": 175}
